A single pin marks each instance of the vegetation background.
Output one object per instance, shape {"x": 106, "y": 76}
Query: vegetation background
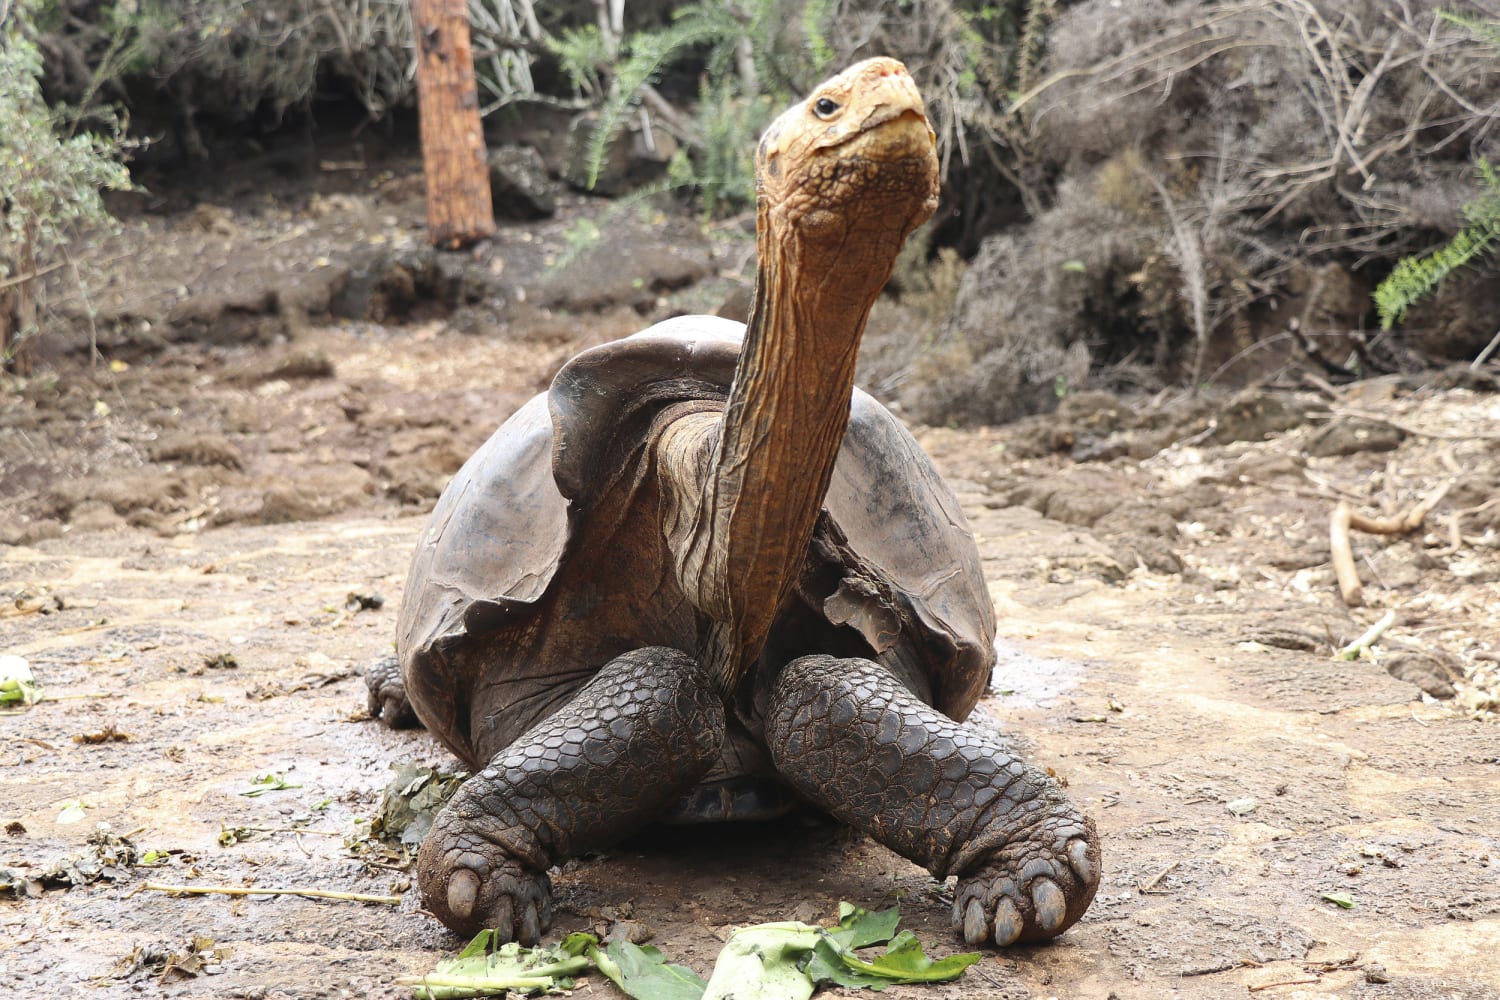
{"x": 1139, "y": 193}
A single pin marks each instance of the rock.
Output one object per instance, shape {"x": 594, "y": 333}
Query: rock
{"x": 1432, "y": 673}
{"x": 1461, "y": 376}
{"x": 634, "y": 157}
{"x": 390, "y": 285}
{"x": 519, "y": 185}
{"x": 313, "y": 494}
{"x": 629, "y": 263}
{"x": 257, "y": 312}
{"x": 1351, "y": 435}
{"x": 95, "y": 515}
{"x": 192, "y": 448}
{"x": 1254, "y": 415}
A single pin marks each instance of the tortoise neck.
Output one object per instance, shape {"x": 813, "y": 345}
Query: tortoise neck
{"x": 780, "y": 435}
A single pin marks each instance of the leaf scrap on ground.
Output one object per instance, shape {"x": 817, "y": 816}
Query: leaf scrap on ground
{"x": 263, "y": 783}
{"x": 643, "y": 972}
{"x": 788, "y": 960}
{"x": 411, "y": 802}
{"x": 160, "y": 960}
{"x": 109, "y": 734}
{"x": 107, "y": 858}
{"x": 1338, "y": 899}
{"x": 484, "y": 969}
{"x": 363, "y": 602}
{"x": 72, "y": 812}
{"x": 17, "y": 685}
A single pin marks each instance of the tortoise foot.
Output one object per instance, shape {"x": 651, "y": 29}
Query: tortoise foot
{"x": 633, "y": 739}
{"x": 470, "y": 884}
{"x": 1034, "y": 888}
{"x": 953, "y": 798}
{"x": 387, "y": 694}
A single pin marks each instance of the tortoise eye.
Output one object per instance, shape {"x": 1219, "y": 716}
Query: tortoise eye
{"x": 825, "y": 108}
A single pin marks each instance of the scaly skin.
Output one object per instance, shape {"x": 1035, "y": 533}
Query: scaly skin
{"x": 633, "y": 739}
{"x": 851, "y": 739}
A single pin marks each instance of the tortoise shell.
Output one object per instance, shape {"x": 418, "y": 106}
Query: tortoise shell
{"x": 536, "y": 566}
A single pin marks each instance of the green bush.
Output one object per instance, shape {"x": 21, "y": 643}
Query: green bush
{"x": 50, "y": 179}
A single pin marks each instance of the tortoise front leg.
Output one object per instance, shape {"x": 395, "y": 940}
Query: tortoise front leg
{"x": 851, "y": 738}
{"x": 628, "y": 744}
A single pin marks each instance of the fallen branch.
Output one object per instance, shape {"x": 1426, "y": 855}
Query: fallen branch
{"x": 1284, "y": 982}
{"x": 1455, "y": 526}
{"x": 1400, "y": 524}
{"x": 479, "y": 985}
{"x": 21, "y": 279}
{"x": 1484, "y": 355}
{"x": 1341, "y": 552}
{"x": 1352, "y": 651}
{"x": 1412, "y": 429}
{"x": 216, "y": 890}
{"x": 1146, "y": 889}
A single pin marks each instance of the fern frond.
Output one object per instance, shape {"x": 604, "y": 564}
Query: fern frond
{"x": 1482, "y": 29}
{"x": 1033, "y": 42}
{"x": 649, "y": 51}
{"x": 817, "y": 16}
{"x": 1414, "y": 278}
{"x": 580, "y": 52}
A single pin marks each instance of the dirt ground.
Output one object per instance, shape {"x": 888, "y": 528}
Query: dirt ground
{"x": 192, "y": 540}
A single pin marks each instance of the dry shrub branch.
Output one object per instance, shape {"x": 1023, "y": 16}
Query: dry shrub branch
{"x": 1202, "y": 180}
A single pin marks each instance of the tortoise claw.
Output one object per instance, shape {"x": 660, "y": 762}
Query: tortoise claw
{"x": 1034, "y": 888}
{"x": 1051, "y": 905}
{"x": 1008, "y": 923}
{"x": 470, "y": 884}
{"x": 1083, "y": 866}
{"x": 463, "y": 892}
{"x": 976, "y": 923}
{"x": 531, "y": 927}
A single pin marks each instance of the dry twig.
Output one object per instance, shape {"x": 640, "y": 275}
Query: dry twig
{"x": 1145, "y": 889}
{"x": 1285, "y": 982}
{"x": 1342, "y": 552}
{"x": 219, "y": 890}
{"x": 1352, "y": 651}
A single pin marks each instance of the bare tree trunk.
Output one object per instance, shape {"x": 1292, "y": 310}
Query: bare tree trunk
{"x": 453, "y": 155}
{"x": 18, "y": 312}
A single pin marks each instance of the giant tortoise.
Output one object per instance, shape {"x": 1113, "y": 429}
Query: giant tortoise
{"x": 703, "y": 574}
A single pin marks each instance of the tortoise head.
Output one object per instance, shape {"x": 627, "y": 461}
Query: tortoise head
{"x": 856, "y": 156}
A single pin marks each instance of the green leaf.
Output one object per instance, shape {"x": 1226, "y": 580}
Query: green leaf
{"x": 643, "y": 972}
{"x": 1338, "y": 899}
{"x": 827, "y": 967}
{"x": 906, "y": 961}
{"x": 17, "y": 686}
{"x": 859, "y": 928}
{"x": 72, "y": 812}
{"x": 483, "y": 970}
{"x": 263, "y": 783}
{"x": 764, "y": 962}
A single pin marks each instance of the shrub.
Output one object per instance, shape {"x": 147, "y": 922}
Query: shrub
{"x": 1238, "y": 147}
{"x": 50, "y": 180}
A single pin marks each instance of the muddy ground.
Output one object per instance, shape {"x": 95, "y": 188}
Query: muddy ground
{"x": 186, "y": 535}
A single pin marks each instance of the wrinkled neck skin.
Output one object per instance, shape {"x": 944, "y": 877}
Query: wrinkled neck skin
{"x": 743, "y": 492}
